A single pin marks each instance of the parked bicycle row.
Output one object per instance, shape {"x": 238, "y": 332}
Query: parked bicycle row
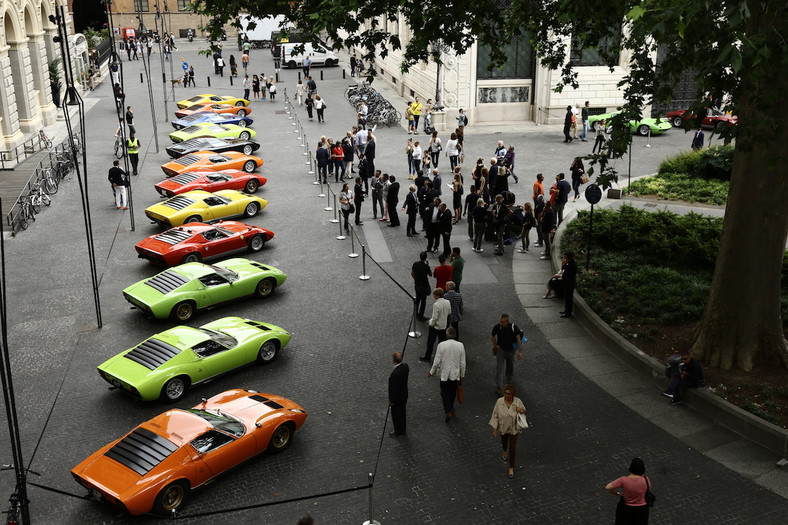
{"x": 372, "y": 106}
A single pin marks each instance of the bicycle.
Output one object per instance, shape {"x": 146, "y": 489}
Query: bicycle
{"x": 26, "y": 211}
{"x": 49, "y": 180}
{"x": 12, "y": 514}
{"x": 44, "y": 140}
{"x": 38, "y": 197}
{"x": 119, "y": 147}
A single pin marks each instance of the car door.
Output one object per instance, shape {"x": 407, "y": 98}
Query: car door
{"x": 217, "y": 289}
{"x": 215, "y": 358}
{"x": 220, "y": 451}
{"x": 214, "y": 208}
{"x": 220, "y": 242}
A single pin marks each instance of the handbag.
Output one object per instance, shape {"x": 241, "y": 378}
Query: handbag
{"x": 649, "y": 497}
{"x": 584, "y": 178}
{"x": 352, "y": 208}
{"x": 521, "y": 422}
{"x": 460, "y": 393}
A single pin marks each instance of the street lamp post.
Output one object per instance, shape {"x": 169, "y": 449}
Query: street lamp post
{"x": 146, "y": 66}
{"x": 172, "y": 55}
{"x": 161, "y": 54}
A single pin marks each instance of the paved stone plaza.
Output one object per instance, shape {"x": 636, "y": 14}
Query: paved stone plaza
{"x": 586, "y": 424}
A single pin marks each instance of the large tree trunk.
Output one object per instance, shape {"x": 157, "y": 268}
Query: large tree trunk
{"x": 741, "y": 326}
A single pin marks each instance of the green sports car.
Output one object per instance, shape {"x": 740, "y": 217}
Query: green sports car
{"x": 167, "y": 364}
{"x": 641, "y": 127}
{"x": 208, "y": 129}
{"x": 182, "y": 290}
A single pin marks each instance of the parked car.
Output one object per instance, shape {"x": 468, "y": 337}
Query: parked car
{"x": 155, "y": 466}
{"x": 201, "y": 206}
{"x": 319, "y": 55}
{"x": 207, "y": 129}
{"x": 211, "y": 181}
{"x": 222, "y": 109}
{"x": 212, "y": 161}
{"x": 182, "y": 290}
{"x": 641, "y": 127}
{"x": 212, "y": 99}
{"x": 714, "y": 118}
{"x": 200, "y": 241}
{"x": 167, "y": 364}
{"x": 203, "y": 117}
{"x": 247, "y": 147}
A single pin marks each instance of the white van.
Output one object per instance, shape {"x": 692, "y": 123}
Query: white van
{"x": 317, "y": 53}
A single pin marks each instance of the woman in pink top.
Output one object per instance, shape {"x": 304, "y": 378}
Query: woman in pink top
{"x": 632, "y": 508}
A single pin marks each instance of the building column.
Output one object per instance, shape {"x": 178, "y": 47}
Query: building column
{"x": 9, "y": 120}
{"x": 39, "y": 65}
{"x": 19, "y": 61}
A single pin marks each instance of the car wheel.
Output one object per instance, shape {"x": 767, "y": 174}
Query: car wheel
{"x": 720, "y": 124}
{"x": 248, "y": 149}
{"x": 193, "y": 218}
{"x": 329, "y": 62}
{"x": 171, "y": 498}
{"x": 242, "y": 123}
{"x": 678, "y": 122}
{"x": 256, "y": 243}
{"x": 245, "y": 135}
{"x": 251, "y": 209}
{"x": 265, "y": 287}
{"x": 268, "y": 351}
{"x": 291, "y": 64}
{"x": 240, "y": 103}
{"x": 250, "y": 166}
{"x": 643, "y": 130}
{"x": 241, "y": 112}
{"x": 174, "y": 389}
{"x": 252, "y": 185}
{"x": 592, "y": 126}
{"x": 281, "y": 438}
{"x": 191, "y": 257}
{"x": 182, "y": 311}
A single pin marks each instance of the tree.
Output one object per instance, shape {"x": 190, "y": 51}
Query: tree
{"x": 737, "y": 49}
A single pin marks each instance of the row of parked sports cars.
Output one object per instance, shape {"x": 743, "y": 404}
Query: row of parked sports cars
{"x": 212, "y": 178}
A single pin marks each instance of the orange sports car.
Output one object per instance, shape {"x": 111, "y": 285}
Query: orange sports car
{"x": 153, "y": 467}
{"x": 212, "y": 161}
{"x": 241, "y": 111}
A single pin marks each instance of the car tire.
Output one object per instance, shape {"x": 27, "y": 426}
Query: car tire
{"x": 245, "y": 135}
{"x": 256, "y": 243}
{"x": 265, "y": 287}
{"x": 182, "y": 311}
{"x": 678, "y": 121}
{"x": 191, "y": 257}
{"x": 248, "y": 149}
{"x": 643, "y": 130}
{"x": 242, "y": 123}
{"x": 192, "y": 218}
{"x": 171, "y": 498}
{"x": 240, "y": 103}
{"x": 250, "y": 166}
{"x": 329, "y": 63}
{"x": 174, "y": 389}
{"x": 268, "y": 352}
{"x": 241, "y": 113}
{"x": 251, "y": 209}
{"x": 292, "y": 64}
{"x": 592, "y": 126}
{"x": 281, "y": 438}
{"x": 251, "y": 185}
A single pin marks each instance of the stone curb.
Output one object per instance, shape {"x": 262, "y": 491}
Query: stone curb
{"x": 749, "y": 426}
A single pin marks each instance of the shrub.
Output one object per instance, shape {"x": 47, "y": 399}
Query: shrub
{"x": 711, "y": 163}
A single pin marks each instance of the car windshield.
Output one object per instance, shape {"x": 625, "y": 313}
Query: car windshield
{"x": 219, "y": 158}
{"x": 221, "y": 421}
{"x": 224, "y": 272}
{"x": 220, "y": 337}
{"x": 225, "y": 231}
{"x": 214, "y": 142}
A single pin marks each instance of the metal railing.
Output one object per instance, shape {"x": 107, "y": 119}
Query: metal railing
{"x": 14, "y": 216}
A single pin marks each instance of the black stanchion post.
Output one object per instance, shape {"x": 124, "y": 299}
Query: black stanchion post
{"x": 352, "y": 253}
{"x": 343, "y": 74}
{"x": 209, "y": 81}
{"x": 141, "y": 79}
{"x": 321, "y": 74}
{"x": 231, "y": 80}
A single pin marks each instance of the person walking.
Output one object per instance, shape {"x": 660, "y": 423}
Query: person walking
{"x": 506, "y": 338}
{"x": 246, "y": 87}
{"x": 435, "y": 149}
{"x": 300, "y": 92}
{"x": 455, "y": 300}
{"x": 416, "y": 107}
{"x": 458, "y": 265}
{"x": 577, "y": 170}
{"x": 421, "y": 272}
{"x": 547, "y": 226}
{"x": 119, "y": 180}
{"x": 320, "y": 106}
{"x": 529, "y": 221}
{"x": 632, "y": 508}
{"x": 398, "y": 394}
{"x": 504, "y": 423}
{"x": 584, "y": 118}
{"x": 233, "y": 66}
{"x": 130, "y": 120}
{"x": 437, "y": 323}
{"x": 501, "y": 213}
{"x": 450, "y": 361}
{"x": 568, "y": 118}
{"x": 600, "y": 136}
{"x": 133, "y": 149}
{"x": 309, "y": 103}
{"x": 220, "y": 65}
{"x": 479, "y": 213}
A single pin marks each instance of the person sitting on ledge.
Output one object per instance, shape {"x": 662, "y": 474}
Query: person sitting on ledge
{"x": 689, "y": 375}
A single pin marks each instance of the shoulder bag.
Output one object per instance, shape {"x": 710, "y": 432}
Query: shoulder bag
{"x": 651, "y": 499}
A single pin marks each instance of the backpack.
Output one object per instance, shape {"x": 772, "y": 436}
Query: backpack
{"x": 464, "y": 119}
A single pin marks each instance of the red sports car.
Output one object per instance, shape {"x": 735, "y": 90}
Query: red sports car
{"x": 197, "y": 240}
{"x": 241, "y": 111}
{"x": 210, "y": 160}
{"x": 714, "y": 118}
{"x": 212, "y": 181}
{"x": 155, "y": 466}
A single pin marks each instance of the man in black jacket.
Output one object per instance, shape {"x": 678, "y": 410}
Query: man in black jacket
{"x": 392, "y": 199}
{"x": 398, "y": 394}
{"x": 369, "y": 154}
{"x": 690, "y": 375}
{"x": 411, "y": 209}
{"x": 568, "y": 124}
{"x": 568, "y": 282}
{"x": 444, "y": 226}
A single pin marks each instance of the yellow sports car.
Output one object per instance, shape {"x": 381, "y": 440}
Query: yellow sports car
{"x": 212, "y": 99}
{"x": 203, "y": 206}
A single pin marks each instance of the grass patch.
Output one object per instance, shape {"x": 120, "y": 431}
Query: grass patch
{"x": 693, "y": 176}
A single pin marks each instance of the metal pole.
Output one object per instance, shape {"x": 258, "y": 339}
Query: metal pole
{"x": 415, "y": 334}
{"x": 340, "y": 237}
{"x": 161, "y": 56}
{"x": 335, "y": 219}
{"x": 371, "y": 520}
{"x": 146, "y": 66}
{"x": 590, "y": 238}
{"x": 353, "y": 253}
{"x": 172, "y": 48}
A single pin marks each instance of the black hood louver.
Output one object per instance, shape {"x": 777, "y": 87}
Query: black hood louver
{"x": 152, "y": 353}
{"x": 141, "y": 451}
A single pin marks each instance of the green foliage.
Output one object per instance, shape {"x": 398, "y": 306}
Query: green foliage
{"x": 54, "y": 71}
{"x": 710, "y": 163}
{"x": 676, "y": 186}
{"x": 95, "y": 36}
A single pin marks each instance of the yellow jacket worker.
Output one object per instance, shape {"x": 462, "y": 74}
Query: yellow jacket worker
{"x": 416, "y": 107}
{"x": 133, "y": 149}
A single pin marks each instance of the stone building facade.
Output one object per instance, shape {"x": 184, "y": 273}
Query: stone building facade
{"x": 27, "y": 48}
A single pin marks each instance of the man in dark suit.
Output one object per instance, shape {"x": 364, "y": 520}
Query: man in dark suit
{"x": 568, "y": 124}
{"x": 697, "y": 140}
{"x": 411, "y": 209}
{"x": 444, "y": 227}
{"x": 398, "y": 394}
{"x": 432, "y": 222}
{"x": 569, "y": 281}
{"x": 369, "y": 154}
{"x": 392, "y": 199}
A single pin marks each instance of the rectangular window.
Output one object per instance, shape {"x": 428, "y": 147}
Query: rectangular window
{"x": 141, "y": 5}
{"x": 184, "y": 5}
{"x": 519, "y": 63}
{"x": 594, "y": 56}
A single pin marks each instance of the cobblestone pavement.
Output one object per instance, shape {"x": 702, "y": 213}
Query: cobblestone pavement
{"x": 344, "y": 331}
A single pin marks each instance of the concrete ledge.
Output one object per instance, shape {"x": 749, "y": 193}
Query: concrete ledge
{"x": 749, "y": 426}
